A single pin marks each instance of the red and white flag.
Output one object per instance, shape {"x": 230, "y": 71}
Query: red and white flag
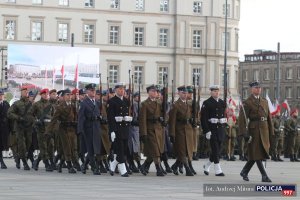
{"x": 285, "y": 104}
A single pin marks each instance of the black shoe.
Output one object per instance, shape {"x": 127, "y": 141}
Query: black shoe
{"x": 245, "y": 176}
{"x": 133, "y": 168}
{"x": 52, "y": 164}
{"x": 77, "y": 166}
{"x": 25, "y": 165}
{"x": 195, "y": 156}
{"x": 232, "y": 158}
{"x": 83, "y": 169}
{"x": 274, "y": 158}
{"x": 159, "y": 171}
{"x": 142, "y": 169}
{"x": 125, "y": 175}
{"x": 266, "y": 179}
{"x": 191, "y": 168}
{"x": 188, "y": 171}
{"x": 165, "y": 173}
{"x": 102, "y": 168}
{"x": 18, "y": 163}
{"x": 220, "y": 174}
{"x": 59, "y": 167}
{"x": 3, "y": 165}
{"x": 180, "y": 169}
{"x": 174, "y": 168}
{"x": 48, "y": 166}
{"x": 168, "y": 168}
{"x": 205, "y": 172}
{"x": 71, "y": 169}
{"x": 36, "y": 164}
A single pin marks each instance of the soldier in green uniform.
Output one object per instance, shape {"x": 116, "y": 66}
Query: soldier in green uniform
{"x": 277, "y": 139}
{"x": 292, "y": 131}
{"x": 23, "y": 125}
{"x": 65, "y": 116}
{"x": 260, "y": 127}
{"x": 151, "y": 130}
{"x": 40, "y": 111}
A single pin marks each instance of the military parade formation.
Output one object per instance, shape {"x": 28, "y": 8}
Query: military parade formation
{"x": 107, "y": 131}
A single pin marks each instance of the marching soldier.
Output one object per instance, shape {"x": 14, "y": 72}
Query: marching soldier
{"x": 292, "y": 131}
{"x": 4, "y": 127}
{"x": 89, "y": 126}
{"x": 23, "y": 126}
{"x": 260, "y": 127}
{"x": 65, "y": 116}
{"x": 118, "y": 124}
{"x": 151, "y": 130}
{"x": 277, "y": 142}
{"x": 213, "y": 122}
{"x": 181, "y": 132}
{"x": 231, "y": 134}
{"x": 40, "y": 111}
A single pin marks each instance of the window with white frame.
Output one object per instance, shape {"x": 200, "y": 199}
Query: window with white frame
{"x": 10, "y": 29}
{"x": 138, "y": 74}
{"x": 139, "y": 4}
{"x": 89, "y": 3}
{"x": 228, "y": 10}
{"x": 197, "y": 7}
{"x": 37, "y": 2}
{"x": 256, "y": 75}
{"x": 197, "y": 74}
{"x": 245, "y": 75}
{"x": 139, "y": 36}
{"x": 161, "y": 72}
{"x": 163, "y": 37}
{"x": 266, "y": 74}
{"x": 164, "y": 5}
{"x": 289, "y": 73}
{"x": 288, "y": 92}
{"x": 196, "y": 39}
{"x": 115, "y": 4}
{"x": 89, "y": 30}
{"x": 113, "y": 73}
{"x": 227, "y": 37}
{"x": 114, "y": 34}
{"x": 63, "y": 2}
{"x": 63, "y": 32}
{"x": 36, "y": 31}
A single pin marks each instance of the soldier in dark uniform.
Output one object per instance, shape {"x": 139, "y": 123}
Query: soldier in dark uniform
{"x": 23, "y": 126}
{"x": 291, "y": 127}
{"x": 118, "y": 124}
{"x": 260, "y": 127}
{"x": 213, "y": 122}
{"x": 4, "y": 127}
{"x": 89, "y": 119}
{"x": 82, "y": 145}
{"x": 181, "y": 132}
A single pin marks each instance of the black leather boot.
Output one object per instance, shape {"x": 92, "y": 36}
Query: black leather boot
{"x": 25, "y": 164}
{"x": 191, "y": 167}
{"x": 188, "y": 171}
{"x": 102, "y": 168}
{"x": 147, "y": 166}
{"x": 83, "y": 166}
{"x": 132, "y": 167}
{"x": 52, "y": 164}
{"x": 174, "y": 167}
{"x": 47, "y": 166}
{"x": 95, "y": 167}
{"x": 263, "y": 172}
{"x": 60, "y": 165}
{"x": 274, "y": 158}
{"x": 128, "y": 169}
{"x": 143, "y": 168}
{"x": 105, "y": 164}
{"x": 76, "y": 165}
{"x": 246, "y": 170}
{"x": 168, "y": 168}
{"x": 3, "y": 165}
{"x": 18, "y": 164}
{"x": 278, "y": 158}
{"x": 70, "y": 167}
{"x": 195, "y": 156}
{"x": 180, "y": 168}
{"x": 159, "y": 171}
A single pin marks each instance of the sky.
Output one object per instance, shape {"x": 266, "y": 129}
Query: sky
{"x": 264, "y": 23}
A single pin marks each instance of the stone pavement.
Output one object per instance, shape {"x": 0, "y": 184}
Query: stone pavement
{"x": 37, "y": 185}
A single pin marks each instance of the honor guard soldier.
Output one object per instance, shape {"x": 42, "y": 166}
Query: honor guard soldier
{"x": 19, "y": 113}
{"x": 257, "y": 132}
{"x": 277, "y": 141}
{"x": 89, "y": 119}
{"x": 181, "y": 132}
{"x": 291, "y": 128}
{"x": 4, "y": 127}
{"x": 213, "y": 122}
{"x": 118, "y": 125}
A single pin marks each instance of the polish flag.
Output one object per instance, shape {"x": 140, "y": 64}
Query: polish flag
{"x": 285, "y": 104}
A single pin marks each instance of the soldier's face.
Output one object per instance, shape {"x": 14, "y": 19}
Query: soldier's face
{"x": 24, "y": 93}
{"x": 152, "y": 94}
{"x": 120, "y": 91}
{"x": 91, "y": 93}
{"x": 67, "y": 97}
{"x": 256, "y": 90}
{"x": 183, "y": 95}
{"x": 189, "y": 96}
{"x": 215, "y": 93}
{"x": 45, "y": 96}
{"x": 53, "y": 95}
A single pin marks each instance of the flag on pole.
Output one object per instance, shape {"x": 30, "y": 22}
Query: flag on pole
{"x": 63, "y": 76}
{"x": 272, "y": 108}
{"x": 285, "y": 104}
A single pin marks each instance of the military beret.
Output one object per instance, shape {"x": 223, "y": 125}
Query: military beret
{"x": 44, "y": 91}
{"x": 189, "y": 89}
{"x": 254, "y": 84}
{"x": 151, "y": 87}
{"x": 90, "y": 86}
{"x": 214, "y": 87}
{"x": 75, "y": 91}
{"x": 182, "y": 89}
{"x": 120, "y": 84}
{"x": 136, "y": 94}
{"x": 1, "y": 92}
{"x": 66, "y": 91}
{"x": 51, "y": 91}
{"x": 82, "y": 92}
{"x": 30, "y": 94}
{"x": 59, "y": 93}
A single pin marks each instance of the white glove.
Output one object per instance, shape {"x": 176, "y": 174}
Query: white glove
{"x": 208, "y": 134}
{"x": 112, "y": 136}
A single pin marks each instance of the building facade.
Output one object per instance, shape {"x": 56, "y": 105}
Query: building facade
{"x": 148, "y": 37}
{"x": 262, "y": 66}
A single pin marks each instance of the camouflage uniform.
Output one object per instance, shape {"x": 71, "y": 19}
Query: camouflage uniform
{"x": 291, "y": 130}
{"x": 277, "y": 139}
